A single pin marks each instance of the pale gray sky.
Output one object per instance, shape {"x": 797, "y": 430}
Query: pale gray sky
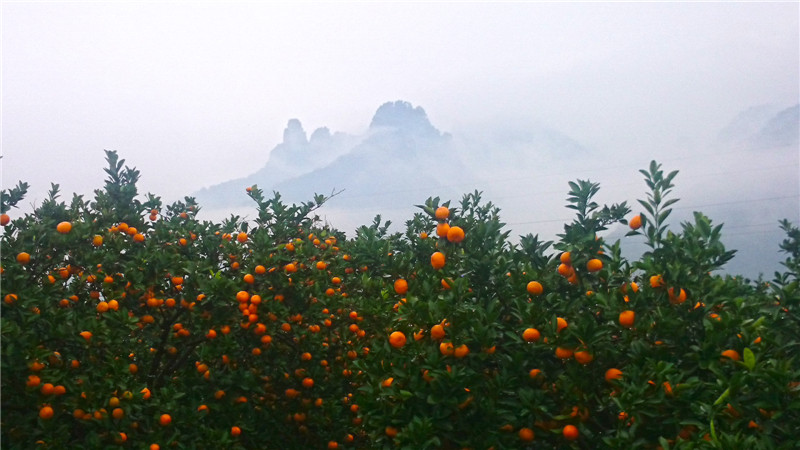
{"x": 194, "y": 94}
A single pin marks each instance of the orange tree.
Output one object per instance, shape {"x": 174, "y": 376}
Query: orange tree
{"x": 126, "y": 322}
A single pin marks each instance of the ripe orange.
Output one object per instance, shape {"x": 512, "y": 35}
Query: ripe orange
{"x": 535, "y": 288}
{"x": 561, "y": 323}
{"x": 242, "y": 237}
{"x": 455, "y": 234}
{"x": 442, "y": 229}
{"x": 308, "y": 382}
{"x": 437, "y": 332}
{"x": 64, "y": 227}
{"x": 118, "y": 413}
{"x": 290, "y": 268}
{"x": 164, "y": 420}
{"x": 526, "y": 434}
{"x": 570, "y": 432}
{"x": 437, "y": 260}
{"x": 387, "y": 382}
{"x": 33, "y": 381}
{"x": 46, "y": 412}
{"x": 461, "y": 351}
{"x": 534, "y": 373}
{"x": 322, "y": 265}
{"x": 249, "y": 278}
{"x": 397, "y": 339}
{"x": 86, "y": 335}
{"x": 4, "y": 219}
{"x": 235, "y": 431}
{"x": 656, "y": 281}
{"x": 401, "y": 286}
{"x": 565, "y": 270}
{"x": 531, "y": 335}
{"x": 23, "y": 258}
{"x": 636, "y": 222}
{"x": 391, "y": 431}
{"x": 97, "y": 240}
{"x": 626, "y": 318}
{"x": 613, "y": 374}
{"x": 563, "y": 353}
{"x": 676, "y": 299}
{"x": 732, "y": 354}
{"x": 565, "y": 258}
{"x": 583, "y": 357}
{"x": 594, "y": 265}
{"x": 446, "y": 348}
{"x": 442, "y": 213}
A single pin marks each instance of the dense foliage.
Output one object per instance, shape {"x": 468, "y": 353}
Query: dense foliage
{"x": 126, "y": 322}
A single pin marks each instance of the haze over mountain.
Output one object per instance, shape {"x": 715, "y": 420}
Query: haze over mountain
{"x": 402, "y": 158}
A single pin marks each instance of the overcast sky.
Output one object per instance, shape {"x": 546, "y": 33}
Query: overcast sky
{"x": 196, "y": 94}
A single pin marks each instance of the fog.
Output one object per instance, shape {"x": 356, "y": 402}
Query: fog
{"x": 195, "y": 95}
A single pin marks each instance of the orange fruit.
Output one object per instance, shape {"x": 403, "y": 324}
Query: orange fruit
{"x": 97, "y": 240}
{"x": 46, "y": 412}
{"x": 322, "y": 265}
{"x": 249, "y": 278}
{"x": 64, "y": 227}
{"x": 455, "y": 234}
{"x": 242, "y": 237}
{"x": 118, "y": 413}
{"x": 390, "y": 431}
{"x": 333, "y": 444}
{"x": 531, "y": 335}
{"x": 613, "y": 374}
{"x": 290, "y": 268}
{"x": 442, "y": 213}
{"x": 461, "y": 351}
{"x": 442, "y": 229}
{"x": 534, "y": 373}
{"x": 565, "y": 270}
{"x": 4, "y": 219}
{"x": 583, "y": 357}
{"x": 565, "y": 258}
{"x": 401, "y": 286}
{"x": 560, "y": 324}
{"x": 164, "y": 420}
{"x": 33, "y": 381}
{"x": 437, "y": 260}
{"x": 235, "y": 431}
{"x": 397, "y": 339}
{"x": 526, "y": 434}
{"x": 732, "y": 354}
{"x": 656, "y": 281}
{"x": 636, "y": 222}
{"x": 86, "y": 335}
{"x": 47, "y": 389}
{"x": 308, "y": 382}
{"x": 102, "y": 307}
{"x": 446, "y": 348}
{"x": 626, "y": 318}
{"x": 387, "y": 382}
{"x": 437, "y": 332}
{"x": 570, "y": 432}
{"x": 594, "y": 265}
{"x": 535, "y": 288}
{"x": 563, "y": 353}
{"x": 23, "y": 258}
{"x": 676, "y": 299}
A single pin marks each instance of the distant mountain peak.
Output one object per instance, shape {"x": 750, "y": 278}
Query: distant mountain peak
{"x": 404, "y": 116}
{"x": 294, "y": 134}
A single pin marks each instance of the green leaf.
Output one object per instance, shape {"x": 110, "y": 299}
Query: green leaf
{"x": 749, "y": 359}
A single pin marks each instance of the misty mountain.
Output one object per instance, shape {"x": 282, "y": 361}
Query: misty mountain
{"x": 401, "y": 156}
{"x": 762, "y": 127}
{"x": 295, "y": 156}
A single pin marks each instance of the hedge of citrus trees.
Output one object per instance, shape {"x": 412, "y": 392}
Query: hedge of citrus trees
{"x": 130, "y": 323}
